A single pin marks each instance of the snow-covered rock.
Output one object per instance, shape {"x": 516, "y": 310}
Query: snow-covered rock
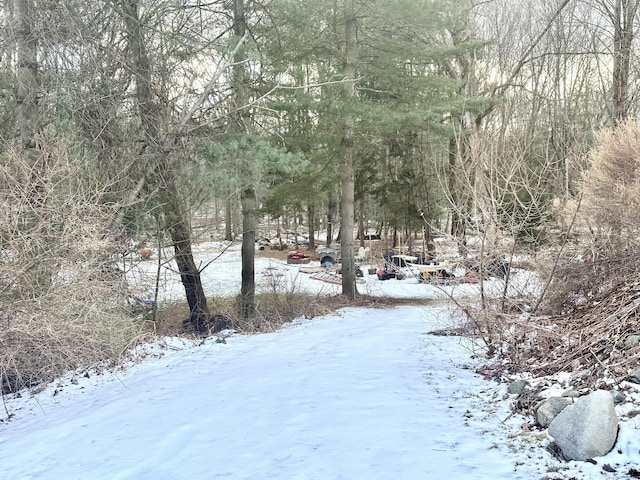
{"x": 588, "y": 428}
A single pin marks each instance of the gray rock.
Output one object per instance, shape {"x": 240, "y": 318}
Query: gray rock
{"x": 618, "y": 397}
{"x": 517, "y": 387}
{"x": 549, "y": 409}
{"x": 634, "y": 377}
{"x": 631, "y": 341}
{"x": 588, "y": 428}
{"x": 571, "y": 394}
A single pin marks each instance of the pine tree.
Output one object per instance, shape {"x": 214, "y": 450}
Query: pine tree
{"x": 397, "y": 96}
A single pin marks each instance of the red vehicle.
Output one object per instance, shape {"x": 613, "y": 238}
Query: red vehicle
{"x": 298, "y": 258}
{"x": 386, "y": 273}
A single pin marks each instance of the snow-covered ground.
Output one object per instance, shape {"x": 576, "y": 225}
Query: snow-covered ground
{"x": 362, "y": 394}
{"x": 222, "y": 272}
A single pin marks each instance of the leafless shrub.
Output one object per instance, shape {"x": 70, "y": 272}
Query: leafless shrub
{"x": 588, "y": 314}
{"x": 594, "y": 302}
{"x": 611, "y": 190}
{"x": 62, "y": 299}
{"x": 592, "y": 308}
{"x": 595, "y": 307}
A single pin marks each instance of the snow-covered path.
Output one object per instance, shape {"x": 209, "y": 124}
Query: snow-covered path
{"x": 366, "y": 394}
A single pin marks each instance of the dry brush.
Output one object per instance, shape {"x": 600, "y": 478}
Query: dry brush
{"x": 62, "y": 301}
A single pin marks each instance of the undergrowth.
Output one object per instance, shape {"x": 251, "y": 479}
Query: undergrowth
{"x": 588, "y": 323}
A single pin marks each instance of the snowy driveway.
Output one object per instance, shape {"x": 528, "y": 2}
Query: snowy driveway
{"x": 361, "y": 395}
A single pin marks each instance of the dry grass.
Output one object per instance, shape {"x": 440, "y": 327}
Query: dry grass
{"x": 272, "y": 311}
{"x": 80, "y": 322}
{"x": 62, "y": 303}
{"x": 45, "y": 348}
{"x": 611, "y": 186}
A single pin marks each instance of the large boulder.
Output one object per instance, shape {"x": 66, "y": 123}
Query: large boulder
{"x": 588, "y": 428}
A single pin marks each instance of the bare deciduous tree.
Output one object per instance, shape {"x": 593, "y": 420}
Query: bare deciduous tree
{"x": 159, "y": 150}
{"x": 623, "y": 15}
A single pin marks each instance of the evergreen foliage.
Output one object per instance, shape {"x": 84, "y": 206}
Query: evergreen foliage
{"x": 404, "y": 96}
{"x": 245, "y": 158}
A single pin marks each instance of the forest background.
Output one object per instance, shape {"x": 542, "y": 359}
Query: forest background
{"x": 503, "y": 125}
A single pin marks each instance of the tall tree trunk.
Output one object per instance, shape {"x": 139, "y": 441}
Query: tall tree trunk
{"x": 248, "y": 196}
{"x": 457, "y": 219}
{"x": 27, "y": 89}
{"x": 189, "y": 274}
{"x": 361, "y": 221}
{"x": 228, "y": 220}
{"x": 247, "y": 292}
{"x": 622, "y": 18}
{"x": 239, "y": 69}
{"x": 159, "y": 152}
{"x": 347, "y": 173}
{"x": 311, "y": 211}
{"x": 330, "y": 209}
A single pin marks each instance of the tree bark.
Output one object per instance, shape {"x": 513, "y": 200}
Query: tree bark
{"x": 311, "y": 211}
{"x": 330, "y": 209}
{"x": 246, "y": 304}
{"x": 361, "y": 222}
{"x": 622, "y": 18}
{"x": 457, "y": 219}
{"x": 347, "y": 173}
{"x": 247, "y": 291}
{"x": 228, "y": 220}
{"x": 159, "y": 152}
{"x": 180, "y": 232}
